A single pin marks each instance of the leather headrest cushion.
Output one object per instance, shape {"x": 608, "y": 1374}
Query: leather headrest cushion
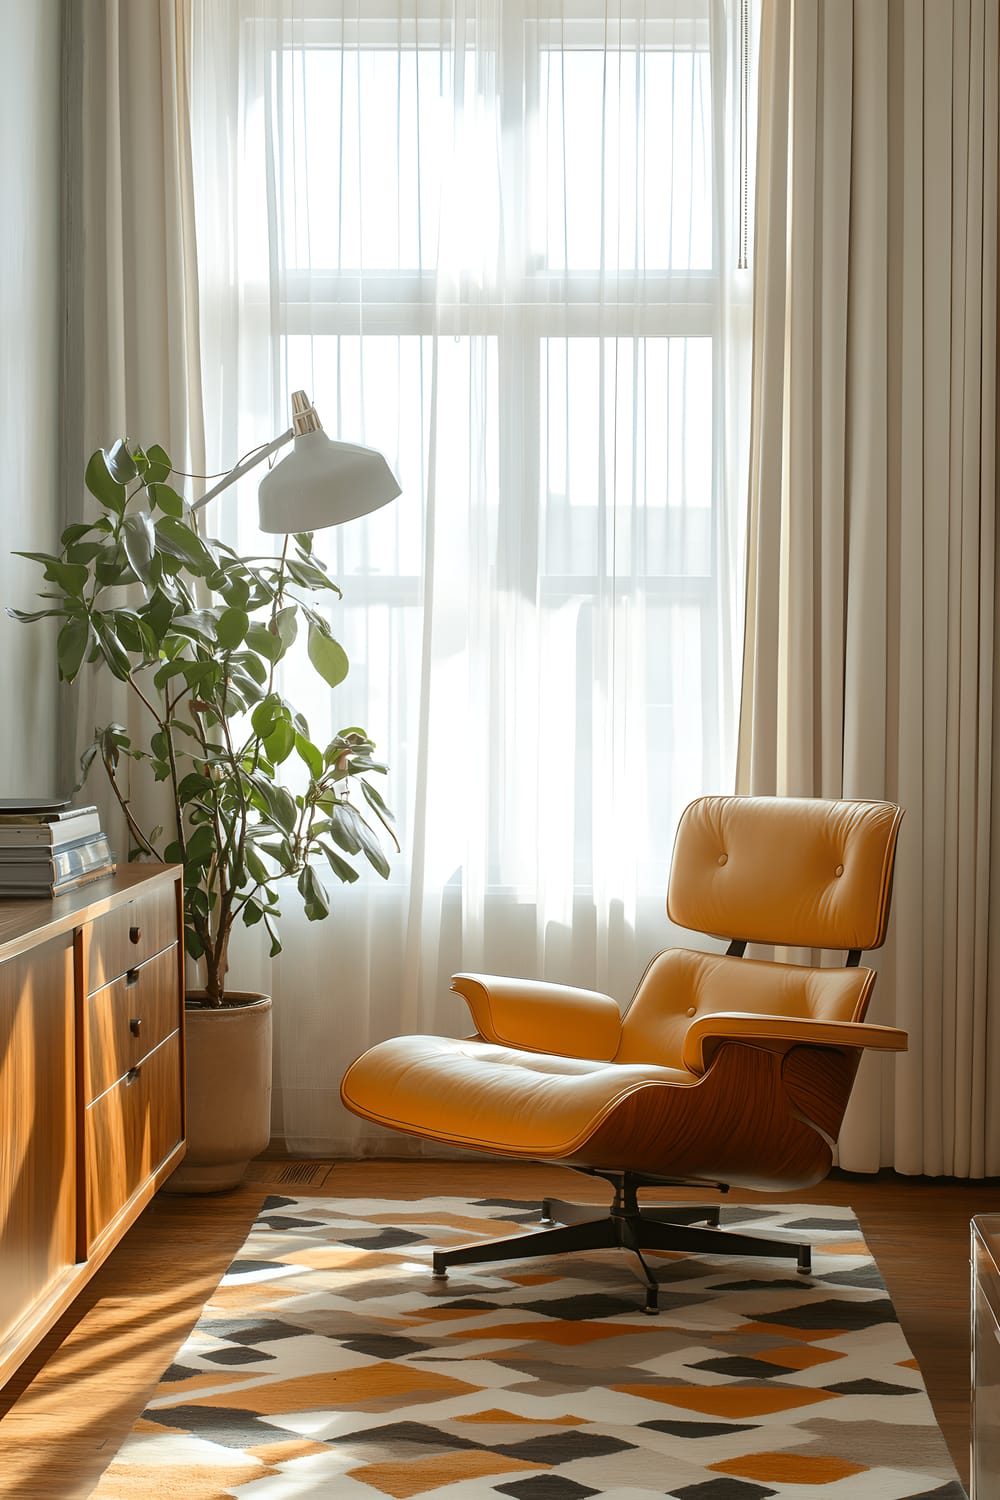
{"x": 798, "y": 871}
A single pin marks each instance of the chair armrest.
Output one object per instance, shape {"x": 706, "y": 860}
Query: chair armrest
{"x": 780, "y": 1033}
{"x": 541, "y": 1017}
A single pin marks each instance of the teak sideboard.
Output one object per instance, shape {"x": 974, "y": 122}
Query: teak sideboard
{"x": 91, "y": 1083}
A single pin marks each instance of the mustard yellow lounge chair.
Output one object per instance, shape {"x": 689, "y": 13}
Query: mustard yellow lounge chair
{"x": 723, "y": 1070}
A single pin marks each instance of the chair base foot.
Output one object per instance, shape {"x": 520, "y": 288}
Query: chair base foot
{"x": 568, "y": 1227}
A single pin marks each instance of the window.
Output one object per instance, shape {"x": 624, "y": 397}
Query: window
{"x": 494, "y": 244}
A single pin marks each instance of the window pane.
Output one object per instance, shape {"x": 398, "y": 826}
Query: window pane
{"x": 626, "y": 455}
{"x": 363, "y": 135}
{"x": 625, "y": 157}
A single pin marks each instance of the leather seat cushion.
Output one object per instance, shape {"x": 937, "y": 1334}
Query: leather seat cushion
{"x": 498, "y": 1099}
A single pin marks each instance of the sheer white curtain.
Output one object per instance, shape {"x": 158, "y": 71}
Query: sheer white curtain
{"x": 497, "y": 241}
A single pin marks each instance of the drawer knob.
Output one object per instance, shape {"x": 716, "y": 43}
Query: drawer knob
{"x": 135, "y": 1025}
{"x": 133, "y": 1074}
{"x": 131, "y": 978}
{"x": 134, "y": 934}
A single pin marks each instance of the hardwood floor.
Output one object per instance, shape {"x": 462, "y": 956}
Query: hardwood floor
{"x": 65, "y": 1412}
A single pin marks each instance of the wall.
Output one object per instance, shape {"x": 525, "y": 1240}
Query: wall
{"x": 30, "y": 303}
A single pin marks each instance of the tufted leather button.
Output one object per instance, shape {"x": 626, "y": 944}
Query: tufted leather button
{"x": 723, "y": 858}
{"x": 692, "y": 1010}
{"x": 839, "y": 870}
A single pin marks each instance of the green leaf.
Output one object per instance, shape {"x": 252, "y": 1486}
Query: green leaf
{"x": 317, "y": 903}
{"x": 72, "y": 578}
{"x": 112, "y": 650}
{"x": 178, "y": 540}
{"x": 159, "y": 464}
{"x": 193, "y": 945}
{"x": 280, "y": 804}
{"x": 286, "y": 622}
{"x": 102, "y": 483}
{"x": 374, "y": 853}
{"x": 253, "y": 667}
{"x": 272, "y": 934}
{"x": 27, "y": 616}
{"x": 232, "y": 628}
{"x": 327, "y": 656}
{"x": 163, "y": 497}
{"x": 308, "y": 576}
{"x": 260, "y": 639}
{"x": 73, "y": 534}
{"x": 121, "y": 465}
{"x": 256, "y": 865}
{"x": 252, "y": 913}
{"x": 342, "y": 828}
{"x": 71, "y": 646}
{"x": 311, "y": 755}
{"x": 139, "y": 541}
{"x": 200, "y": 624}
{"x": 200, "y": 845}
{"x": 266, "y": 715}
{"x": 280, "y": 743}
{"x": 343, "y": 871}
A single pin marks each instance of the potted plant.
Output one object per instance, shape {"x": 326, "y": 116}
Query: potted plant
{"x": 196, "y": 633}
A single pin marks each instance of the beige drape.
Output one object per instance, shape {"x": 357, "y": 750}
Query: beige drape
{"x": 870, "y": 663}
{"x": 131, "y": 364}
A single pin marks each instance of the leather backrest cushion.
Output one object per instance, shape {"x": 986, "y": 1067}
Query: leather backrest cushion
{"x": 683, "y": 984}
{"x": 798, "y": 871}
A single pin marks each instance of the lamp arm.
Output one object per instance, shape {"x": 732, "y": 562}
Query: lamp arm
{"x": 243, "y": 467}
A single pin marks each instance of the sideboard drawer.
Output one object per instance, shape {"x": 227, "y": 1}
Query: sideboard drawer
{"x": 129, "y": 1130}
{"x": 126, "y": 936}
{"x": 128, "y": 1019}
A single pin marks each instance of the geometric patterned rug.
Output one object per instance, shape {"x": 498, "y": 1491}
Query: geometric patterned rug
{"x": 330, "y": 1363}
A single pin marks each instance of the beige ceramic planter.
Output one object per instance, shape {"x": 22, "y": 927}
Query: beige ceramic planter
{"x": 228, "y": 1093}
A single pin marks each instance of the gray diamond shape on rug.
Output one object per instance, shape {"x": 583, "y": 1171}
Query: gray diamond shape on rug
{"x": 862, "y": 1276}
{"x": 849, "y": 1316}
{"x": 381, "y": 1238}
{"x": 384, "y": 1345}
{"x": 546, "y": 1487}
{"x": 230, "y": 1427}
{"x": 870, "y": 1388}
{"x": 722, "y": 1489}
{"x": 402, "y": 1440}
{"x": 279, "y": 1221}
{"x": 562, "y": 1447}
{"x": 249, "y": 1330}
{"x": 739, "y": 1368}
{"x": 237, "y": 1355}
{"x": 763, "y": 1283}
{"x": 698, "y": 1429}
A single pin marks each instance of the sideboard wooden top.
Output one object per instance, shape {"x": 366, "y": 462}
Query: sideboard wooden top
{"x": 26, "y": 922}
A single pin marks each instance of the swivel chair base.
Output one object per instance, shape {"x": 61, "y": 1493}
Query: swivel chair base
{"x": 626, "y": 1225}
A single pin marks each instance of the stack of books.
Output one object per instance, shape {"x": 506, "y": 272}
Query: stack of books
{"x": 47, "y": 848}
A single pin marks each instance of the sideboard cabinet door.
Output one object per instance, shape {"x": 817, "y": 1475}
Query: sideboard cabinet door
{"x": 38, "y": 1134}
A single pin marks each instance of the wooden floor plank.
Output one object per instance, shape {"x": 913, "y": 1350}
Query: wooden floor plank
{"x": 64, "y": 1414}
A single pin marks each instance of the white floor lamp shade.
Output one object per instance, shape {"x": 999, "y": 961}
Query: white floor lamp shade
{"x": 322, "y": 483}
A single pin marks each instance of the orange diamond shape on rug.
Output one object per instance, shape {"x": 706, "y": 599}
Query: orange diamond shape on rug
{"x": 728, "y": 1400}
{"x": 360, "y": 1386}
{"x": 417, "y": 1476}
{"x": 789, "y": 1468}
{"x": 497, "y": 1414}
